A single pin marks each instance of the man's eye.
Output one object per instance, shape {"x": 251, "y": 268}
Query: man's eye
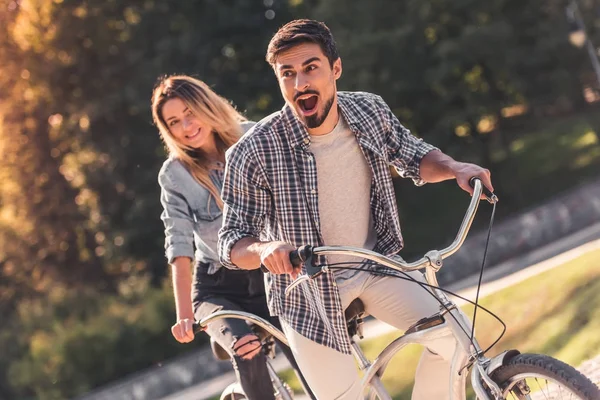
{"x": 311, "y": 67}
{"x": 286, "y": 74}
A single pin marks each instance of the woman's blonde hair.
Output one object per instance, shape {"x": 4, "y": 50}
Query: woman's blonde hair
{"x": 206, "y": 105}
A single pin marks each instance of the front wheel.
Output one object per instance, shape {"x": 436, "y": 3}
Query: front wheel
{"x": 535, "y": 376}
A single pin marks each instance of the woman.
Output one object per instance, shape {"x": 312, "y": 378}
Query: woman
{"x": 197, "y": 127}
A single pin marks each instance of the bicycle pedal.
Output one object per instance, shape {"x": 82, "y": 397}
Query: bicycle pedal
{"x": 425, "y": 323}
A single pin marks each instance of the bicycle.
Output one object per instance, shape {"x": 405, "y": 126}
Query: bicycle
{"x": 266, "y": 334}
{"x": 509, "y": 373}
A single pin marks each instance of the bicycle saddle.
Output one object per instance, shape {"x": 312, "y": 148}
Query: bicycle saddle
{"x": 354, "y": 314}
{"x": 355, "y": 309}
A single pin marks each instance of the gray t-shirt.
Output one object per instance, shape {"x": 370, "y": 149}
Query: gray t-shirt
{"x": 344, "y": 192}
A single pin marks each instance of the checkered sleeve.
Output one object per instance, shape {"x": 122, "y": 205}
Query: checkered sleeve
{"x": 246, "y": 200}
{"x": 404, "y": 150}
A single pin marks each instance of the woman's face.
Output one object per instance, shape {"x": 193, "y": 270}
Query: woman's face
{"x": 185, "y": 127}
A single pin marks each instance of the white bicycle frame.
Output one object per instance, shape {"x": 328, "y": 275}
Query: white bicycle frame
{"x": 277, "y": 334}
{"x": 468, "y": 352}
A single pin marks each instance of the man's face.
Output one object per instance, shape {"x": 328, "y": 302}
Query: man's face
{"x": 308, "y": 82}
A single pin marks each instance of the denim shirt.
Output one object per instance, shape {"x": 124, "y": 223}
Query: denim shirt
{"x": 191, "y": 216}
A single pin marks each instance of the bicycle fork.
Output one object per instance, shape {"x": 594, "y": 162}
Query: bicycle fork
{"x": 460, "y": 325}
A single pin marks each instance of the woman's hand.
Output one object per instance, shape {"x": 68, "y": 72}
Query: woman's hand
{"x": 183, "y": 330}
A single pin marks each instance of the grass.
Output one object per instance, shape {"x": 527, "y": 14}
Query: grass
{"x": 555, "y": 313}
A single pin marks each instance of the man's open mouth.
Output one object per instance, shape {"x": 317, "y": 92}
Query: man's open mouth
{"x": 308, "y": 103}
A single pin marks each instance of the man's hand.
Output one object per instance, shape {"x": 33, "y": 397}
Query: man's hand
{"x": 463, "y": 172}
{"x": 275, "y": 256}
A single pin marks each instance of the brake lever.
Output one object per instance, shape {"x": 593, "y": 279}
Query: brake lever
{"x": 312, "y": 270}
{"x": 490, "y": 196}
{"x": 296, "y": 282}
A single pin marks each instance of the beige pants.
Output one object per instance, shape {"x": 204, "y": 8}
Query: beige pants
{"x": 333, "y": 375}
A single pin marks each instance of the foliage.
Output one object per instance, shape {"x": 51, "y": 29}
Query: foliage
{"x": 81, "y": 244}
{"x": 80, "y": 340}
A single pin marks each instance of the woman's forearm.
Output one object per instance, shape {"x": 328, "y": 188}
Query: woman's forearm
{"x": 182, "y": 287}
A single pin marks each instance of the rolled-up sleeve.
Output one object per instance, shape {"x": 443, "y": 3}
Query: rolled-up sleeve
{"x": 404, "y": 150}
{"x": 177, "y": 219}
{"x": 246, "y": 201}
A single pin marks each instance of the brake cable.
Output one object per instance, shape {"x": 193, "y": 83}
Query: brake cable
{"x": 425, "y": 285}
{"x": 487, "y": 242}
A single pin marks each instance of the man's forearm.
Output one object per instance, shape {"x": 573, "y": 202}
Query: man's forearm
{"x": 250, "y": 253}
{"x": 437, "y": 167}
{"x": 245, "y": 253}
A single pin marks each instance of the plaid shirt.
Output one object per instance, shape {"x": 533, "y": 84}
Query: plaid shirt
{"x": 270, "y": 193}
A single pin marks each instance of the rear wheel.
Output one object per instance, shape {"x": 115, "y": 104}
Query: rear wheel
{"x": 235, "y": 392}
{"x": 236, "y": 396}
{"x": 536, "y": 377}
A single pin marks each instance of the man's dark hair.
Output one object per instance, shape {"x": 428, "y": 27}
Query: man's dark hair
{"x": 302, "y": 31}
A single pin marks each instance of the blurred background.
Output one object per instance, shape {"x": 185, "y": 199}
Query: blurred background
{"x": 85, "y": 297}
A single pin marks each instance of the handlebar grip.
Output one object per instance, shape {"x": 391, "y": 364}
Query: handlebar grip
{"x": 491, "y": 197}
{"x": 196, "y": 327}
{"x": 297, "y": 257}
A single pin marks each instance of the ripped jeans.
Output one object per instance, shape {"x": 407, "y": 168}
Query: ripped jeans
{"x": 240, "y": 291}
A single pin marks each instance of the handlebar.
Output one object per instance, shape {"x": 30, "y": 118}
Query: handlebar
{"x": 432, "y": 258}
{"x": 200, "y": 326}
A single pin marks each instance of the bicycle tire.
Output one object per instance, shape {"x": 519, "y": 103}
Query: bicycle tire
{"x": 239, "y": 395}
{"x": 233, "y": 392}
{"x": 537, "y": 366}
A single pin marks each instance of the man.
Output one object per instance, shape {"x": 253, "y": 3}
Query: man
{"x": 317, "y": 172}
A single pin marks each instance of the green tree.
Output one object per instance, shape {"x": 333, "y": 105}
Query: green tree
{"x": 442, "y": 65}
{"x": 452, "y": 72}
{"x": 80, "y": 200}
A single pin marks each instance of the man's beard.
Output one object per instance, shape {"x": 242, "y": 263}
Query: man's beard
{"x": 315, "y": 120}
